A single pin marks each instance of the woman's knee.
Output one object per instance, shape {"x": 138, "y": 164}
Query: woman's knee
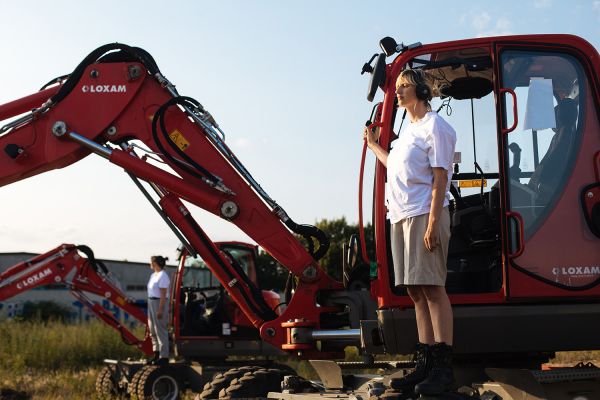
{"x": 434, "y": 293}
{"x": 415, "y": 293}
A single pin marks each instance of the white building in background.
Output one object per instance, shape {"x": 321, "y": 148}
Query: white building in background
{"x": 132, "y": 276}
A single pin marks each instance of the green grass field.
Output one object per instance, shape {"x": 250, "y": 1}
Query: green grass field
{"x": 55, "y": 346}
{"x": 61, "y": 361}
{"x": 55, "y": 360}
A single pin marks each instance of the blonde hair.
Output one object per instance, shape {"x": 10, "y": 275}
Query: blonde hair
{"x": 420, "y": 77}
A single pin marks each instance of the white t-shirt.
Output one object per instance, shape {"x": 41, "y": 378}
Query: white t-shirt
{"x": 158, "y": 280}
{"x": 424, "y": 144}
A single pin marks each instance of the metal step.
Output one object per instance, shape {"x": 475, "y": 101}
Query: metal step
{"x": 377, "y": 364}
{"x": 566, "y": 374}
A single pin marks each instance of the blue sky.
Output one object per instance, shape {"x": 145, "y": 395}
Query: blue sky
{"x": 282, "y": 78}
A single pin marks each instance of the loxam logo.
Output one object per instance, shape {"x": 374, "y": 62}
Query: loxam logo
{"x": 104, "y": 89}
{"x": 34, "y": 278}
{"x": 576, "y": 271}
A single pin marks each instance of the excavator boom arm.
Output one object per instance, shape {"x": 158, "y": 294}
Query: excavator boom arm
{"x": 117, "y": 97}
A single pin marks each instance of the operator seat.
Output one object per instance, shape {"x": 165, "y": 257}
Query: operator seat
{"x": 475, "y": 221}
{"x": 202, "y": 313}
{"x": 548, "y": 174}
{"x": 474, "y": 245}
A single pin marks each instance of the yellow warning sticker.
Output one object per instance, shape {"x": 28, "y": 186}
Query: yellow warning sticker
{"x": 179, "y": 140}
{"x": 471, "y": 183}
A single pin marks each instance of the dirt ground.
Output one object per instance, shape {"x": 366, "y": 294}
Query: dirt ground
{"x": 80, "y": 385}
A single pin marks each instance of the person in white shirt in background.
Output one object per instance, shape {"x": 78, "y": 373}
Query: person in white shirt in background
{"x": 158, "y": 310}
{"x": 419, "y": 172}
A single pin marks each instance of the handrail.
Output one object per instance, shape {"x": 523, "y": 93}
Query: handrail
{"x": 375, "y": 116}
{"x": 515, "y": 113}
{"x": 361, "y": 228}
{"x": 521, "y": 248}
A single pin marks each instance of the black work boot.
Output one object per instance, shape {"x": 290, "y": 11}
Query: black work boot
{"x": 153, "y": 359}
{"x": 421, "y": 358}
{"x": 441, "y": 377}
{"x": 162, "y": 361}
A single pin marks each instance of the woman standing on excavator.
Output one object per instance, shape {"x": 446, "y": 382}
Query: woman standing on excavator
{"x": 419, "y": 171}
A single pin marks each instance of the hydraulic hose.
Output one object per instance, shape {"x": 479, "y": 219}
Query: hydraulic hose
{"x": 54, "y": 81}
{"x": 306, "y": 231}
{"x": 126, "y": 53}
{"x": 309, "y": 232}
{"x": 256, "y": 293}
{"x": 159, "y": 119}
{"x": 96, "y": 264}
{"x": 256, "y": 303}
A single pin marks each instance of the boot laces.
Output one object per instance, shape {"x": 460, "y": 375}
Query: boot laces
{"x": 418, "y": 356}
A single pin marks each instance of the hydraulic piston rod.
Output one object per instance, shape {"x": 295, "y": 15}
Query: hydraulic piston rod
{"x": 90, "y": 144}
{"x": 336, "y": 334}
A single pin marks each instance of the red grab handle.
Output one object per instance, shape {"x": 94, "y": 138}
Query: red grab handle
{"x": 515, "y": 113}
{"x": 519, "y": 218}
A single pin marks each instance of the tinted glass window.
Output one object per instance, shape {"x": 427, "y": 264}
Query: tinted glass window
{"x": 544, "y": 145}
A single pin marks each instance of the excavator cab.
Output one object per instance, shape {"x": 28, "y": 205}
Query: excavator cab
{"x": 204, "y": 315}
{"x": 200, "y": 307}
{"x": 524, "y": 186}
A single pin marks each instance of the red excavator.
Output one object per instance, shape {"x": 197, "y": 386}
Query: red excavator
{"x": 524, "y": 258}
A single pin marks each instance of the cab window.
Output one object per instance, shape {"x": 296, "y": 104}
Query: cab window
{"x": 544, "y": 145}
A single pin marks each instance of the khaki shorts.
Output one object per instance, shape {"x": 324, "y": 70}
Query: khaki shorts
{"x": 413, "y": 263}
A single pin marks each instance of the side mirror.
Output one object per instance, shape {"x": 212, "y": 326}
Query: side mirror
{"x": 377, "y": 77}
{"x": 388, "y": 45}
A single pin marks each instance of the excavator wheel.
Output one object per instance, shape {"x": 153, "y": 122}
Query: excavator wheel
{"x": 132, "y": 389}
{"x": 154, "y": 382}
{"x": 106, "y": 387}
{"x": 254, "y": 384}
{"x": 221, "y": 381}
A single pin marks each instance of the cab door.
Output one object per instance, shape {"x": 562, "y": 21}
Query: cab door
{"x": 550, "y": 138}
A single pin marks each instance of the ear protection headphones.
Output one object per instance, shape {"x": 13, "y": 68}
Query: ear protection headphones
{"x": 423, "y": 91}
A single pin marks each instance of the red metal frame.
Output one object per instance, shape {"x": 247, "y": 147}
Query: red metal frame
{"x": 25, "y": 104}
